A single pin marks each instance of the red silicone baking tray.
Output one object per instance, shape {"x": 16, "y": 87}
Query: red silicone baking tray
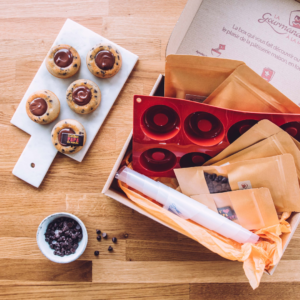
{"x": 173, "y": 133}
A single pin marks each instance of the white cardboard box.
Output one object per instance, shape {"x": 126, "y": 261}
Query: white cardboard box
{"x": 182, "y": 42}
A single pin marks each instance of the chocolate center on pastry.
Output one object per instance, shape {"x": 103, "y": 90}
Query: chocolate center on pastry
{"x": 105, "y": 60}
{"x": 81, "y": 95}
{"x": 65, "y": 130}
{"x": 63, "y": 58}
{"x": 38, "y": 106}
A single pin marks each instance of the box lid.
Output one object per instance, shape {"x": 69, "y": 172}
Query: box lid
{"x": 265, "y": 34}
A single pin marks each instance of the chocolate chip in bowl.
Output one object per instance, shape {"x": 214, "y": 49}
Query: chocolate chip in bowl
{"x": 62, "y": 237}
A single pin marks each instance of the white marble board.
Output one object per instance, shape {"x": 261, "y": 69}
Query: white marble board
{"x": 40, "y": 150}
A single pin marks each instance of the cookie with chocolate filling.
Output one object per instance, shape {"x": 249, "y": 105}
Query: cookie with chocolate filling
{"x": 104, "y": 61}
{"x": 83, "y": 96}
{"x": 68, "y": 136}
{"x": 43, "y": 107}
{"x": 63, "y": 61}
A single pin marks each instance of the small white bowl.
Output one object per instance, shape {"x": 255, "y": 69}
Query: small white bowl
{"x": 45, "y": 247}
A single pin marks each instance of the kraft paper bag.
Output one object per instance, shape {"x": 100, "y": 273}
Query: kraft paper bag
{"x": 253, "y": 209}
{"x": 223, "y": 83}
{"x": 245, "y": 90}
{"x": 277, "y": 173}
{"x": 277, "y": 144}
{"x": 194, "y": 75}
{"x": 260, "y": 131}
{"x": 256, "y": 258}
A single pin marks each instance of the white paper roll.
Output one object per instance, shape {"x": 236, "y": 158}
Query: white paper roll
{"x": 185, "y": 207}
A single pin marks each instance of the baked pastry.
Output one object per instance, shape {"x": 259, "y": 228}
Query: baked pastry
{"x": 74, "y": 138}
{"x": 43, "y": 107}
{"x": 83, "y": 96}
{"x": 104, "y": 61}
{"x": 63, "y": 61}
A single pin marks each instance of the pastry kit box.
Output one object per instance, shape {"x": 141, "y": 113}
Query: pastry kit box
{"x": 265, "y": 34}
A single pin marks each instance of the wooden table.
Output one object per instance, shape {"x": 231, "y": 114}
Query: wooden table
{"x": 153, "y": 262}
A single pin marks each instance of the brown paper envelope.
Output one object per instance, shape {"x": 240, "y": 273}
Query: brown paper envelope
{"x": 260, "y": 131}
{"x": 194, "y": 75}
{"x": 245, "y": 90}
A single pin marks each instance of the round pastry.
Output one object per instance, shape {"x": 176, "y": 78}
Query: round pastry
{"x": 71, "y": 127}
{"x": 63, "y": 61}
{"x": 43, "y": 107}
{"x": 83, "y": 96}
{"x": 104, "y": 61}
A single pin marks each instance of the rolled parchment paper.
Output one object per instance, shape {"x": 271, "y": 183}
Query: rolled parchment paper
{"x": 185, "y": 207}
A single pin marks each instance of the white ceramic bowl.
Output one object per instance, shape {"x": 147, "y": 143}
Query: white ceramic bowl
{"x": 45, "y": 248}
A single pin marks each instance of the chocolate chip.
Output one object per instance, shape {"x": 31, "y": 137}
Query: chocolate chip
{"x": 104, "y": 235}
{"x": 103, "y": 72}
{"x": 95, "y": 91}
{"x": 212, "y": 177}
{"x": 117, "y": 63}
{"x": 110, "y": 248}
{"x": 64, "y": 74}
{"x": 224, "y": 180}
{"x": 62, "y": 150}
{"x": 82, "y": 111}
{"x": 91, "y": 108}
{"x": 75, "y": 66}
{"x": 47, "y": 114}
{"x": 99, "y": 238}
{"x": 50, "y": 101}
{"x": 96, "y": 253}
{"x": 59, "y": 240}
{"x": 114, "y": 239}
{"x": 219, "y": 178}
{"x": 35, "y": 121}
{"x": 85, "y": 82}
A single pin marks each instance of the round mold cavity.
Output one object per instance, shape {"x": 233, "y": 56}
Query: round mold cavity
{"x": 160, "y": 122}
{"x": 193, "y": 159}
{"x": 238, "y": 129}
{"x": 293, "y": 129}
{"x": 204, "y": 129}
{"x": 158, "y": 160}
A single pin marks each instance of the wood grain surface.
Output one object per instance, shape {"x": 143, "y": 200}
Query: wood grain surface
{"x": 149, "y": 260}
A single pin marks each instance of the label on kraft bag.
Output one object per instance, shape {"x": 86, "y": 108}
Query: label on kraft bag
{"x": 72, "y": 139}
{"x": 244, "y": 185}
{"x": 227, "y": 212}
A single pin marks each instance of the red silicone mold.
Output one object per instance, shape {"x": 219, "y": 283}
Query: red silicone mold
{"x": 171, "y": 133}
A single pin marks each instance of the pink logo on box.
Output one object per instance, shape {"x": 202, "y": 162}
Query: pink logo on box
{"x": 267, "y": 74}
{"x": 295, "y": 19}
{"x": 216, "y": 51}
